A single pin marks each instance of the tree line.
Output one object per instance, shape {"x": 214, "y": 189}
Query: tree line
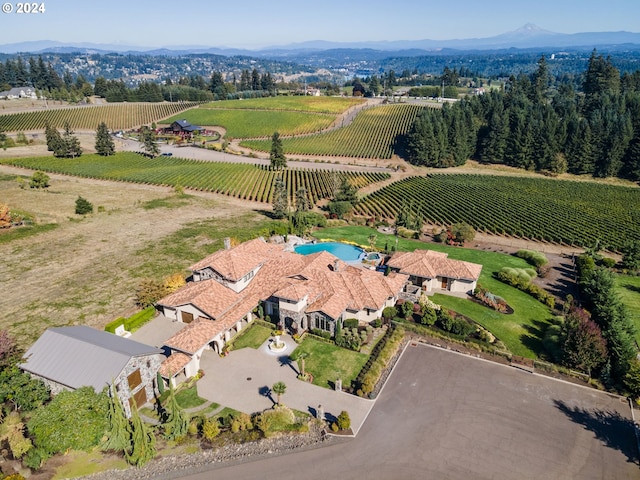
{"x": 529, "y": 125}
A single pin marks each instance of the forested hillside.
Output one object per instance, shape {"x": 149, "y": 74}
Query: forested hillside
{"x": 539, "y": 124}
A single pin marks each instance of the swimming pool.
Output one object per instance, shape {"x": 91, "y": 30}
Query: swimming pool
{"x": 343, "y": 251}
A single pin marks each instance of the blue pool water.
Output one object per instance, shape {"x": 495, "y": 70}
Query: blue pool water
{"x": 347, "y": 253}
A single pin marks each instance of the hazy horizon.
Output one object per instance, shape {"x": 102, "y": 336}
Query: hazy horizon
{"x": 162, "y": 24}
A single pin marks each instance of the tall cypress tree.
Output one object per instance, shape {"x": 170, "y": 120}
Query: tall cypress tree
{"x": 277, "y": 158}
{"x": 280, "y": 198}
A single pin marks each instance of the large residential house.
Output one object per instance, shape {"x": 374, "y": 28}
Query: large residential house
{"x": 67, "y": 358}
{"x": 434, "y": 271}
{"x": 301, "y": 292}
{"x": 20, "y": 92}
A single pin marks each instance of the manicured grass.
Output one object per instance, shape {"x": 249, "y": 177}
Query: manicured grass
{"x": 326, "y": 362}
{"x": 521, "y": 332}
{"x": 188, "y": 398}
{"x": 629, "y": 291}
{"x": 252, "y": 337}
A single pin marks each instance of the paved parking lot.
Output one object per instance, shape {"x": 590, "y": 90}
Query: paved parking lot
{"x": 447, "y": 416}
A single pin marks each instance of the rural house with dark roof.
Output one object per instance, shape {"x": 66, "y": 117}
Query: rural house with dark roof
{"x": 67, "y": 358}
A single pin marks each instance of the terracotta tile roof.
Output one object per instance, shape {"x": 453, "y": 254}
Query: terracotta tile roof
{"x": 209, "y": 296}
{"x": 431, "y": 264}
{"x": 174, "y": 364}
{"x": 235, "y": 263}
{"x": 195, "y": 335}
{"x": 284, "y": 275}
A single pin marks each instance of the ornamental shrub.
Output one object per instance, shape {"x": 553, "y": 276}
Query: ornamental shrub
{"x": 350, "y": 323}
{"x": 537, "y": 259}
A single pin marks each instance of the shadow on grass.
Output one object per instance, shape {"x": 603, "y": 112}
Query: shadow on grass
{"x": 611, "y": 428}
{"x": 285, "y": 360}
{"x": 632, "y": 288}
{"x": 533, "y": 338}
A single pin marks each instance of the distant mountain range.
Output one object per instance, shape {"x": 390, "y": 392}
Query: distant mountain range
{"x": 528, "y": 36}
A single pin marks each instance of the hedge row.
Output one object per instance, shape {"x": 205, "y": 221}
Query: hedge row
{"x": 134, "y": 322}
{"x": 380, "y": 357}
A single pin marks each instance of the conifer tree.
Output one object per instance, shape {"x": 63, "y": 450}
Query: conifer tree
{"x": 104, "y": 142}
{"x": 143, "y": 442}
{"x": 54, "y": 140}
{"x": 277, "y": 158}
{"x": 280, "y": 200}
{"x": 176, "y": 421}
{"x": 118, "y": 436}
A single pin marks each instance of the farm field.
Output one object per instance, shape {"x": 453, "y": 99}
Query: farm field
{"x": 302, "y": 104}
{"x": 240, "y": 123}
{"x": 119, "y": 116}
{"x": 86, "y": 270}
{"x": 573, "y": 213}
{"x": 373, "y": 134}
{"x": 521, "y": 332}
{"x": 243, "y": 181}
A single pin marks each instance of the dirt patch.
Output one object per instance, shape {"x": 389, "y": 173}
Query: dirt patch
{"x": 83, "y": 272}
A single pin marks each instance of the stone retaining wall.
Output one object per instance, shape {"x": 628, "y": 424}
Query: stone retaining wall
{"x": 167, "y": 467}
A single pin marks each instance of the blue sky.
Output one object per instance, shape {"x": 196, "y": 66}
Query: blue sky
{"x": 260, "y": 23}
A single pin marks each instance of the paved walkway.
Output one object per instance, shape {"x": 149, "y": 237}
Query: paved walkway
{"x": 243, "y": 379}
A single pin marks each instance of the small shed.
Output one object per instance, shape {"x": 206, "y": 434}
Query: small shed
{"x": 67, "y": 358}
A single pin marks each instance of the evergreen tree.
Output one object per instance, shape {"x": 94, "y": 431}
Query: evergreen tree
{"x": 280, "y": 198}
{"x": 54, "y": 140}
{"x": 302, "y": 200}
{"x": 148, "y": 139}
{"x": 118, "y": 436}
{"x": 175, "y": 422}
{"x": 104, "y": 142}
{"x": 70, "y": 145}
{"x": 143, "y": 442}
{"x": 346, "y": 192}
{"x": 494, "y": 144}
{"x": 277, "y": 158}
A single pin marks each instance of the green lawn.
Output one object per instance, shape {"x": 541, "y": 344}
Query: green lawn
{"x": 629, "y": 291}
{"x": 520, "y": 332}
{"x": 189, "y": 398}
{"x": 326, "y": 362}
{"x": 252, "y": 337}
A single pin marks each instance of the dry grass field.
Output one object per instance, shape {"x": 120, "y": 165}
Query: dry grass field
{"x": 86, "y": 270}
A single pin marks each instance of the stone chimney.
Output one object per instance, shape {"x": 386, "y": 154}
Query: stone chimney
{"x": 336, "y": 265}
{"x": 227, "y": 243}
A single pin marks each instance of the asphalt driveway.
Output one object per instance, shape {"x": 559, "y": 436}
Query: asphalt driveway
{"x": 448, "y": 416}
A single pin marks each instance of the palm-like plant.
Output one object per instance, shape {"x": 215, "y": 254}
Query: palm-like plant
{"x": 279, "y": 388}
